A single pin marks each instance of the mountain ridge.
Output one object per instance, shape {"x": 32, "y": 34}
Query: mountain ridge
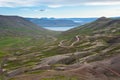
{"x": 60, "y": 22}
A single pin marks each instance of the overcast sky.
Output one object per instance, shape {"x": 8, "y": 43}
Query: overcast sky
{"x": 60, "y": 8}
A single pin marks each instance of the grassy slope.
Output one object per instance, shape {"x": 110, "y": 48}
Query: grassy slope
{"x": 96, "y": 38}
{"x": 89, "y": 29}
{"x": 16, "y": 31}
{"x": 19, "y": 37}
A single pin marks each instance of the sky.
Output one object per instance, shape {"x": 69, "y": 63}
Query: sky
{"x": 60, "y": 8}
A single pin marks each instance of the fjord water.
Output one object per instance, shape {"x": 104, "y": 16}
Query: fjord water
{"x": 59, "y": 28}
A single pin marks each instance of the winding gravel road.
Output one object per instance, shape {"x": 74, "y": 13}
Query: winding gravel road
{"x": 61, "y": 44}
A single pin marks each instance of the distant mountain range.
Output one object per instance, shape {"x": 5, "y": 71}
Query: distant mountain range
{"x": 60, "y": 22}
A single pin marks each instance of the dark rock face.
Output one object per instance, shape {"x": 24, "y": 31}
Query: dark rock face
{"x": 102, "y": 18}
{"x": 115, "y": 40}
{"x": 115, "y": 64}
{"x": 15, "y": 72}
{"x": 1, "y": 71}
{"x": 113, "y": 22}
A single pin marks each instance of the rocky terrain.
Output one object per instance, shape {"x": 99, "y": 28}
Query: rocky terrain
{"x": 88, "y": 52}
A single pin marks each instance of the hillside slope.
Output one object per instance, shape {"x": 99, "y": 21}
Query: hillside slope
{"x": 88, "y": 52}
{"x": 17, "y": 32}
{"x": 102, "y": 25}
{"x": 18, "y": 26}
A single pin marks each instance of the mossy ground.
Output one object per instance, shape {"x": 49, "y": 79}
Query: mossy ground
{"x": 60, "y": 78}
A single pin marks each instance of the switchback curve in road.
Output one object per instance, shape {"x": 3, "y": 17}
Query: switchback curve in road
{"x": 61, "y": 44}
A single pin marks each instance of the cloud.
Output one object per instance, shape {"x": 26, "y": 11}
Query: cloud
{"x": 55, "y": 3}
{"x": 54, "y": 6}
{"x": 18, "y": 3}
{"x": 60, "y": 3}
{"x": 102, "y": 3}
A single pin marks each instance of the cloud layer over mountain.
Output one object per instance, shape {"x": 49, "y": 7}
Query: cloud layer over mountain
{"x": 55, "y": 3}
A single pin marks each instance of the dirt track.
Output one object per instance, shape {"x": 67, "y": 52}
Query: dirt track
{"x": 61, "y": 44}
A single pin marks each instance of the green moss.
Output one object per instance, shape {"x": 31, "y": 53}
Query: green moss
{"x": 13, "y": 65}
{"x": 12, "y": 79}
{"x": 60, "y": 78}
{"x": 35, "y": 72}
{"x": 9, "y": 41}
{"x": 2, "y": 77}
{"x": 2, "y": 54}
